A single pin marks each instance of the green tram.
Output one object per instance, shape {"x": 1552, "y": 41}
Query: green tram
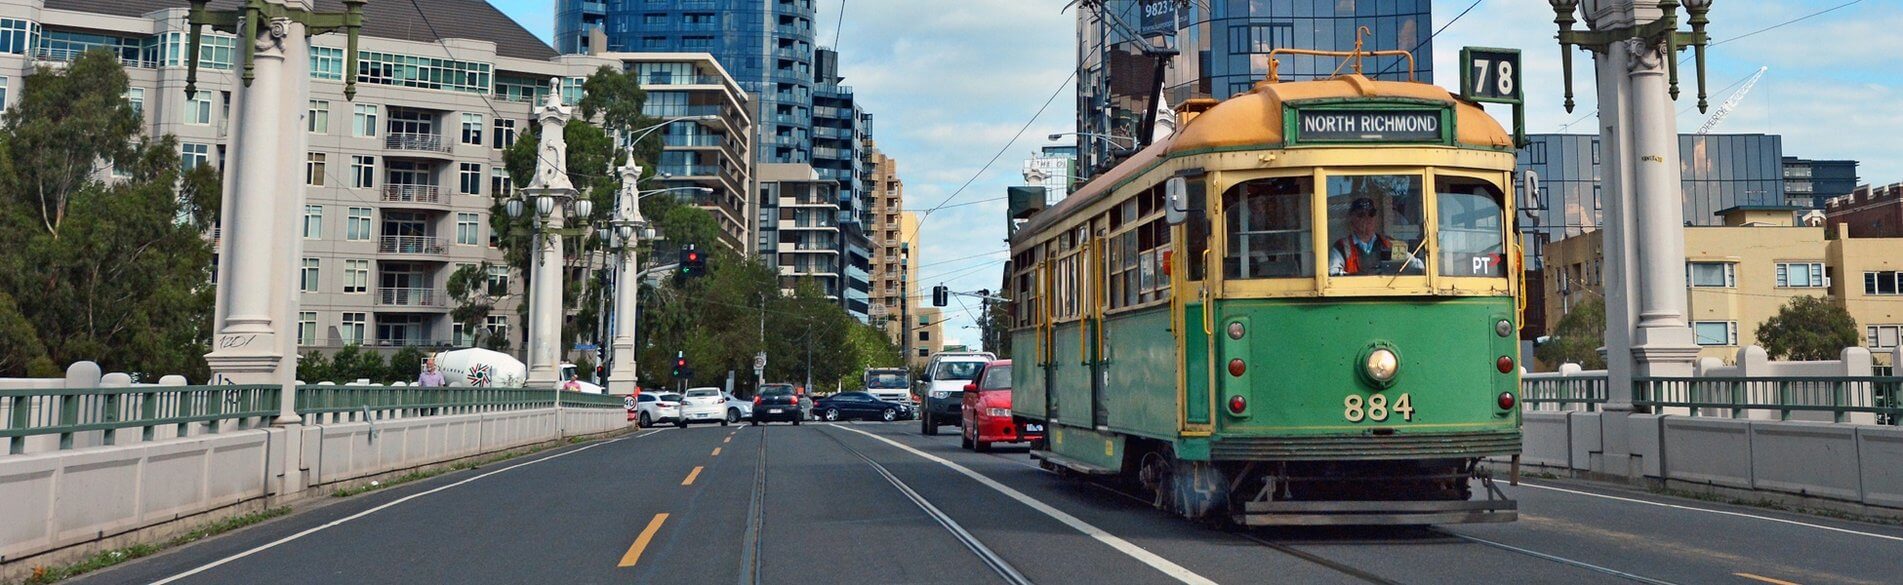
{"x": 1302, "y": 308}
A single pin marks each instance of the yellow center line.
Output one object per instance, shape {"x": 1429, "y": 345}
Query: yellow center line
{"x": 690, "y": 476}
{"x": 1764, "y": 579}
{"x": 716, "y": 451}
{"x": 641, "y": 542}
{"x": 729, "y": 439}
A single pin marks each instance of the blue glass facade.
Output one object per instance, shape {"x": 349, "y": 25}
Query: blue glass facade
{"x": 766, "y": 45}
{"x": 1223, "y": 49}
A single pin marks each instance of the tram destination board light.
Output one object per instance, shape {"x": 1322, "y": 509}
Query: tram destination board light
{"x": 1373, "y": 123}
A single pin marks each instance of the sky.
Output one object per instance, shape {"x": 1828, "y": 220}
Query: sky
{"x": 950, "y": 85}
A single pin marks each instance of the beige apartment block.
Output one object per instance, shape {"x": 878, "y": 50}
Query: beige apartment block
{"x": 400, "y": 181}
{"x": 1742, "y": 272}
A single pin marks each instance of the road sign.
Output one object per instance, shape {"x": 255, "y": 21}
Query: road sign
{"x": 628, "y": 402}
{"x": 759, "y": 361}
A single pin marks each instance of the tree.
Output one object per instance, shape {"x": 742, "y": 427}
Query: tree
{"x": 405, "y": 365}
{"x": 109, "y": 271}
{"x": 469, "y": 288}
{"x": 354, "y": 363}
{"x": 315, "y": 367}
{"x": 1808, "y": 328}
{"x": 1578, "y": 337}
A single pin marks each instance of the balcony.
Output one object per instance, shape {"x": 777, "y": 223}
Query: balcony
{"x": 400, "y": 193}
{"x": 422, "y": 245}
{"x": 659, "y": 111}
{"x": 693, "y": 140}
{"x": 657, "y": 79}
{"x": 67, "y": 55}
{"x": 409, "y": 297}
{"x": 416, "y": 142}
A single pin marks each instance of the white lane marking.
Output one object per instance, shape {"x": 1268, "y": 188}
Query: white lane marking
{"x": 1711, "y": 511}
{"x": 1126, "y": 547}
{"x": 392, "y": 503}
{"x": 1563, "y": 561}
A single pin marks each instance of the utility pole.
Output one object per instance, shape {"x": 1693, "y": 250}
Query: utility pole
{"x": 759, "y": 374}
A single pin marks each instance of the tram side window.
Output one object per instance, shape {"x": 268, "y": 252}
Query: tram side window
{"x": 1472, "y": 234}
{"x": 1268, "y": 227}
{"x": 1374, "y": 225}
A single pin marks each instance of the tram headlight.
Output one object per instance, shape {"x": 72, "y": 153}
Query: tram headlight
{"x": 1235, "y": 330}
{"x": 1382, "y": 365}
{"x": 1503, "y": 328}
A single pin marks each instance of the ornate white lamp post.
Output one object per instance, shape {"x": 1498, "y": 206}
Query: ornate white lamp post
{"x": 554, "y": 197}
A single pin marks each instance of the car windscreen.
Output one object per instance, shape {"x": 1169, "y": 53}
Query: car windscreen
{"x": 957, "y": 370}
{"x": 997, "y": 378}
{"x": 885, "y": 381}
{"x": 709, "y": 393}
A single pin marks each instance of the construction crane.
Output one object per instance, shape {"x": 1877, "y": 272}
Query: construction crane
{"x": 1731, "y": 102}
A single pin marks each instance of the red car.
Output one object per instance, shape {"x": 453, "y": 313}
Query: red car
{"x": 987, "y": 411}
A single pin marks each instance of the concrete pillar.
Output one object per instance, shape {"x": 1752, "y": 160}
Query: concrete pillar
{"x": 1663, "y": 343}
{"x": 545, "y": 300}
{"x": 627, "y": 281}
{"x": 254, "y": 329}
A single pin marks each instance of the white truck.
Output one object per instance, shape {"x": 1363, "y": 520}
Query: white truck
{"x": 484, "y": 368}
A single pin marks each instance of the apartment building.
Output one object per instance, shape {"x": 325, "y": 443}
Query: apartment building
{"x": 401, "y": 180}
{"x": 1742, "y": 272}
{"x": 708, "y": 139}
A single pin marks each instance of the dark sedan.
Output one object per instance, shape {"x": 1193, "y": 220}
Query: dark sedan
{"x": 776, "y": 402}
{"x": 862, "y": 405}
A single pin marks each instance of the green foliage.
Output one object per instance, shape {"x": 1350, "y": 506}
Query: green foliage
{"x": 405, "y": 365}
{"x": 474, "y": 300}
{"x": 1578, "y": 337}
{"x": 314, "y": 367}
{"x": 353, "y": 363}
{"x": 1808, "y": 328}
{"x": 109, "y": 271}
{"x": 995, "y": 329}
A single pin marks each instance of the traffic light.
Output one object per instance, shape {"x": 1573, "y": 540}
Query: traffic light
{"x": 680, "y": 365}
{"x": 941, "y": 296}
{"x": 693, "y": 262}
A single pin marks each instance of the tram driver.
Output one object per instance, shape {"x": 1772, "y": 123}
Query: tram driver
{"x": 1367, "y": 251}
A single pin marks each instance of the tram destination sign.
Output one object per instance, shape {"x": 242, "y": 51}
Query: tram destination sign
{"x": 1368, "y": 125}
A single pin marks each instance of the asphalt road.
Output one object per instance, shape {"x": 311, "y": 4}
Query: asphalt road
{"x": 869, "y": 503}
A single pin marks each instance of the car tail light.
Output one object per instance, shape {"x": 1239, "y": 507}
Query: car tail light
{"x": 1236, "y": 367}
{"x": 1505, "y": 401}
{"x": 723, "y": 400}
{"x": 1237, "y": 404}
{"x": 1504, "y": 364}
{"x": 756, "y": 400}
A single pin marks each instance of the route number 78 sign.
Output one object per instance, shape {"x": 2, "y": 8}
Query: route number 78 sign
{"x": 1493, "y": 75}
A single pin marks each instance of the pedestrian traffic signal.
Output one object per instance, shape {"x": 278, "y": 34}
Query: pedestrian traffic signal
{"x": 941, "y": 296}
{"x": 680, "y": 365}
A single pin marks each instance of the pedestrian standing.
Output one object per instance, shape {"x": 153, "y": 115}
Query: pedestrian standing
{"x": 430, "y": 378}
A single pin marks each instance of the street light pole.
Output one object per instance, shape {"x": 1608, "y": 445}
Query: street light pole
{"x": 624, "y": 237}
{"x": 554, "y": 196}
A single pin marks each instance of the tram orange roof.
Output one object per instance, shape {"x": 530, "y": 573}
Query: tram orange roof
{"x": 1256, "y": 117}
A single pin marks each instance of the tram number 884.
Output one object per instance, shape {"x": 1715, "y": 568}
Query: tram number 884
{"x": 1376, "y": 408}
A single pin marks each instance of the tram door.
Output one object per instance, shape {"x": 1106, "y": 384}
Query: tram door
{"x": 1091, "y": 291}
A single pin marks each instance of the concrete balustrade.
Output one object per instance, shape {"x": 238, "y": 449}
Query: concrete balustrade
{"x": 110, "y": 488}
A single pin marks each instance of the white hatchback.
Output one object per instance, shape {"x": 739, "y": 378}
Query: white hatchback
{"x": 703, "y": 405}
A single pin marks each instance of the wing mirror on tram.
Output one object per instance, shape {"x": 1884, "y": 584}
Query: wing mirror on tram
{"x": 1181, "y": 198}
{"x": 1530, "y": 196}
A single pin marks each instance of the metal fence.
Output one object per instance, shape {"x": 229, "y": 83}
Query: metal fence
{"x": 1733, "y": 397}
{"x": 66, "y": 411}
{"x": 1555, "y": 393}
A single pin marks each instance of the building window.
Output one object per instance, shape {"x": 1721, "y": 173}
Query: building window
{"x": 356, "y": 276}
{"x": 1716, "y": 332}
{"x": 313, "y": 222}
{"x": 458, "y": 336}
{"x": 198, "y": 108}
{"x": 500, "y": 185}
{"x": 1711, "y": 274}
{"x": 352, "y": 327}
{"x": 363, "y": 171}
{"x": 467, "y": 228}
{"x": 192, "y": 155}
{"x": 314, "y": 168}
{"x": 922, "y": 352}
{"x": 470, "y": 175}
{"x": 327, "y": 63}
{"x": 307, "y": 276}
{"x": 135, "y": 96}
{"x": 472, "y": 129}
{"x": 317, "y": 118}
{"x": 1801, "y": 275}
{"x": 422, "y": 72}
{"x": 1882, "y": 336}
{"x": 1880, "y": 283}
{"x": 364, "y": 120}
{"x": 357, "y": 229}
{"x": 498, "y": 326}
{"x": 215, "y": 51}
{"x": 307, "y": 328}
{"x": 498, "y": 281}
{"x": 505, "y": 134}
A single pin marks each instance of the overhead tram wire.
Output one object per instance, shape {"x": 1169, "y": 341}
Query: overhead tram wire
{"x": 942, "y": 204}
{"x": 979, "y": 255}
{"x": 1682, "y": 61}
{"x": 1430, "y": 38}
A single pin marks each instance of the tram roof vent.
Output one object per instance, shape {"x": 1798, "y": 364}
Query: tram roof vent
{"x": 1187, "y": 111}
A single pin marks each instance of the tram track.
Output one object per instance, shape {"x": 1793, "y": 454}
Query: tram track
{"x": 1444, "y": 537}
